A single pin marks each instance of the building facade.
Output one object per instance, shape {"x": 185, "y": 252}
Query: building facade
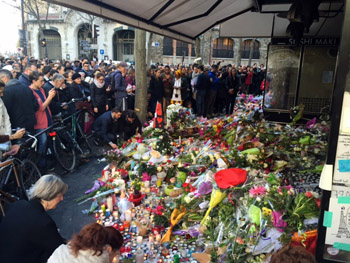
{"x": 72, "y": 35}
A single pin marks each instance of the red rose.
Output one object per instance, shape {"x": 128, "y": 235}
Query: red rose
{"x": 308, "y": 194}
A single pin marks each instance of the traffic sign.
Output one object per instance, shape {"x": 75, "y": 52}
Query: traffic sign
{"x": 102, "y": 51}
{"x": 156, "y": 44}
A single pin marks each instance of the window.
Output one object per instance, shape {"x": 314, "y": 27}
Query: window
{"x": 181, "y": 48}
{"x": 128, "y": 43}
{"x": 223, "y": 48}
{"x": 245, "y": 51}
{"x": 167, "y": 46}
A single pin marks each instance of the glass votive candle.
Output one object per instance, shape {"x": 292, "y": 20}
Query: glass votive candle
{"x": 139, "y": 240}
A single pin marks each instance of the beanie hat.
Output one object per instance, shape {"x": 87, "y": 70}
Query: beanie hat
{"x": 76, "y": 76}
{"x": 230, "y": 177}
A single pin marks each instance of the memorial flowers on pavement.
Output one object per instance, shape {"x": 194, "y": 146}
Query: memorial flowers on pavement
{"x": 235, "y": 191}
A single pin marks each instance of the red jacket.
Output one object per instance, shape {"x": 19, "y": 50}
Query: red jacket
{"x": 40, "y": 115}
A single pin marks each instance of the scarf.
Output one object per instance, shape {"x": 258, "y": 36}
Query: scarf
{"x": 98, "y": 84}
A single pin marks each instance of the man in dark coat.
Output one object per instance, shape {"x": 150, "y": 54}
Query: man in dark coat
{"x": 119, "y": 86}
{"x": 20, "y": 102}
{"x": 128, "y": 125}
{"x": 24, "y": 78}
{"x": 202, "y": 87}
{"x": 104, "y": 124}
{"x": 56, "y": 105}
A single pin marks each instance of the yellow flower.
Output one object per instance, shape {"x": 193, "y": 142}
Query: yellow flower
{"x": 159, "y": 168}
{"x": 266, "y": 212}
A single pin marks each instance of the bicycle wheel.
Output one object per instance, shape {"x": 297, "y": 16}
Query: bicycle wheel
{"x": 64, "y": 150}
{"x": 30, "y": 174}
{"x": 9, "y": 183}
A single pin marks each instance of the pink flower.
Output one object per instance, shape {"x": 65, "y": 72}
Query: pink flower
{"x": 278, "y": 222}
{"x": 257, "y": 191}
{"x": 146, "y": 177}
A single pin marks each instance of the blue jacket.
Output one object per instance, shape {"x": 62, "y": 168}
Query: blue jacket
{"x": 24, "y": 79}
{"x": 215, "y": 84}
{"x": 120, "y": 85}
{"x": 104, "y": 125}
{"x": 203, "y": 82}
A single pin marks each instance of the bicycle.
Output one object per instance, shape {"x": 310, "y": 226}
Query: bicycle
{"x": 12, "y": 187}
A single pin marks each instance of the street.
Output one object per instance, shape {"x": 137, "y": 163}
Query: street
{"x": 68, "y": 214}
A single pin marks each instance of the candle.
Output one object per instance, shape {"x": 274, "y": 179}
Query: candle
{"x": 106, "y": 175}
{"x": 139, "y": 256}
{"x": 128, "y": 215}
{"x": 103, "y": 208}
{"x": 151, "y": 239}
{"x": 146, "y": 184}
{"x": 113, "y": 171}
{"x": 115, "y": 215}
{"x": 110, "y": 203}
{"x": 158, "y": 237}
{"x": 139, "y": 240}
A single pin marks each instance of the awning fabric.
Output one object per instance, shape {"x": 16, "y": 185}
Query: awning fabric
{"x": 180, "y": 19}
{"x": 187, "y": 19}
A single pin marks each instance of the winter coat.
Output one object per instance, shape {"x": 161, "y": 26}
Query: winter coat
{"x": 156, "y": 89}
{"x": 24, "y": 79}
{"x": 233, "y": 83}
{"x": 203, "y": 82}
{"x": 120, "y": 85}
{"x": 98, "y": 96}
{"x": 21, "y": 105}
{"x": 28, "y": 234}
{"x": 63, "y": 254}
{"x": 5, "y": 124}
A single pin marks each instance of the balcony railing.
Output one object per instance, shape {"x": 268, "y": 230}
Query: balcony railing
{"x": 245, "y": 54}
{"x": 223, "y": 53}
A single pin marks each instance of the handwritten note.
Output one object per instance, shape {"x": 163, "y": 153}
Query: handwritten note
{"x": 342, "y": 163}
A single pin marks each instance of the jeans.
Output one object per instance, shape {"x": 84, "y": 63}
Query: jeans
{"x": 211, "y": 101}
{"x": 42, "y": 140}
{"x": 121, "y": 104}
{"x": 200, "y": 100}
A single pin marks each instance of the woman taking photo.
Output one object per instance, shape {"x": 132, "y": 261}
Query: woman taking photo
{"x": 28, "y": 234}
{"x": 99, "y": 95}
{"x": 94, "y": 243}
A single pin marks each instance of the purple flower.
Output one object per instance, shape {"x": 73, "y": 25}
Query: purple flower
{"x": 205, "y": 188}
{"x": 278, "y": 222}
{"x": 310, "y": 123}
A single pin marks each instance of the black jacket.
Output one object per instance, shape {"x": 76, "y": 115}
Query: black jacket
{"x": 233, "y": 83}
{"x": 24, "y": 79}
{"x": 98, "y": 96}
{"x": 28, "y": 234}
{"x": 127, "y": 129}
{"x": 104, "y": 125}
{"x": 55, "y": 105}
{"x": 156, "y": 89}
{"x": 21, "y": 105}
{"x": 203, "y": 82}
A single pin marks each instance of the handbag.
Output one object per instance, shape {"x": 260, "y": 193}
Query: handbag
{"x": 83, "y": 105}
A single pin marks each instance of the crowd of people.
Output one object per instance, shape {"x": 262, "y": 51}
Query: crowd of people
{"x": 37, "y": 91}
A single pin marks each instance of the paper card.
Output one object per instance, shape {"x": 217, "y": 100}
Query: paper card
{"x": 326, "y": 177}
{"x": 339, "y": 232}
{"x": 340, "y": 191}
{"x": 342, "y": 174}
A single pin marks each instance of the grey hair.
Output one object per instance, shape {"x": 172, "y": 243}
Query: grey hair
{"x": 122, "y": 64}
{"x": 57, "y": 77}
{"x": 5, "y": 73}
{"x": 47, "y": 188}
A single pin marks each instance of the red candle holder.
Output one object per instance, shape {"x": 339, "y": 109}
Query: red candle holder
{"x": 121, "y": 228}
{"x": 126, "y": 224}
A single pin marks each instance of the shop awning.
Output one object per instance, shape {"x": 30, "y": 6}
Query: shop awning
{"x": 179, "y": 19}
{"x": 272, "y": 21}
{"x": 187, "y": 19}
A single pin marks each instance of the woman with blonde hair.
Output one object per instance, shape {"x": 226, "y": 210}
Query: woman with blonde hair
{"x": 28, "y": 233}
{"x": 94, "y": 243}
